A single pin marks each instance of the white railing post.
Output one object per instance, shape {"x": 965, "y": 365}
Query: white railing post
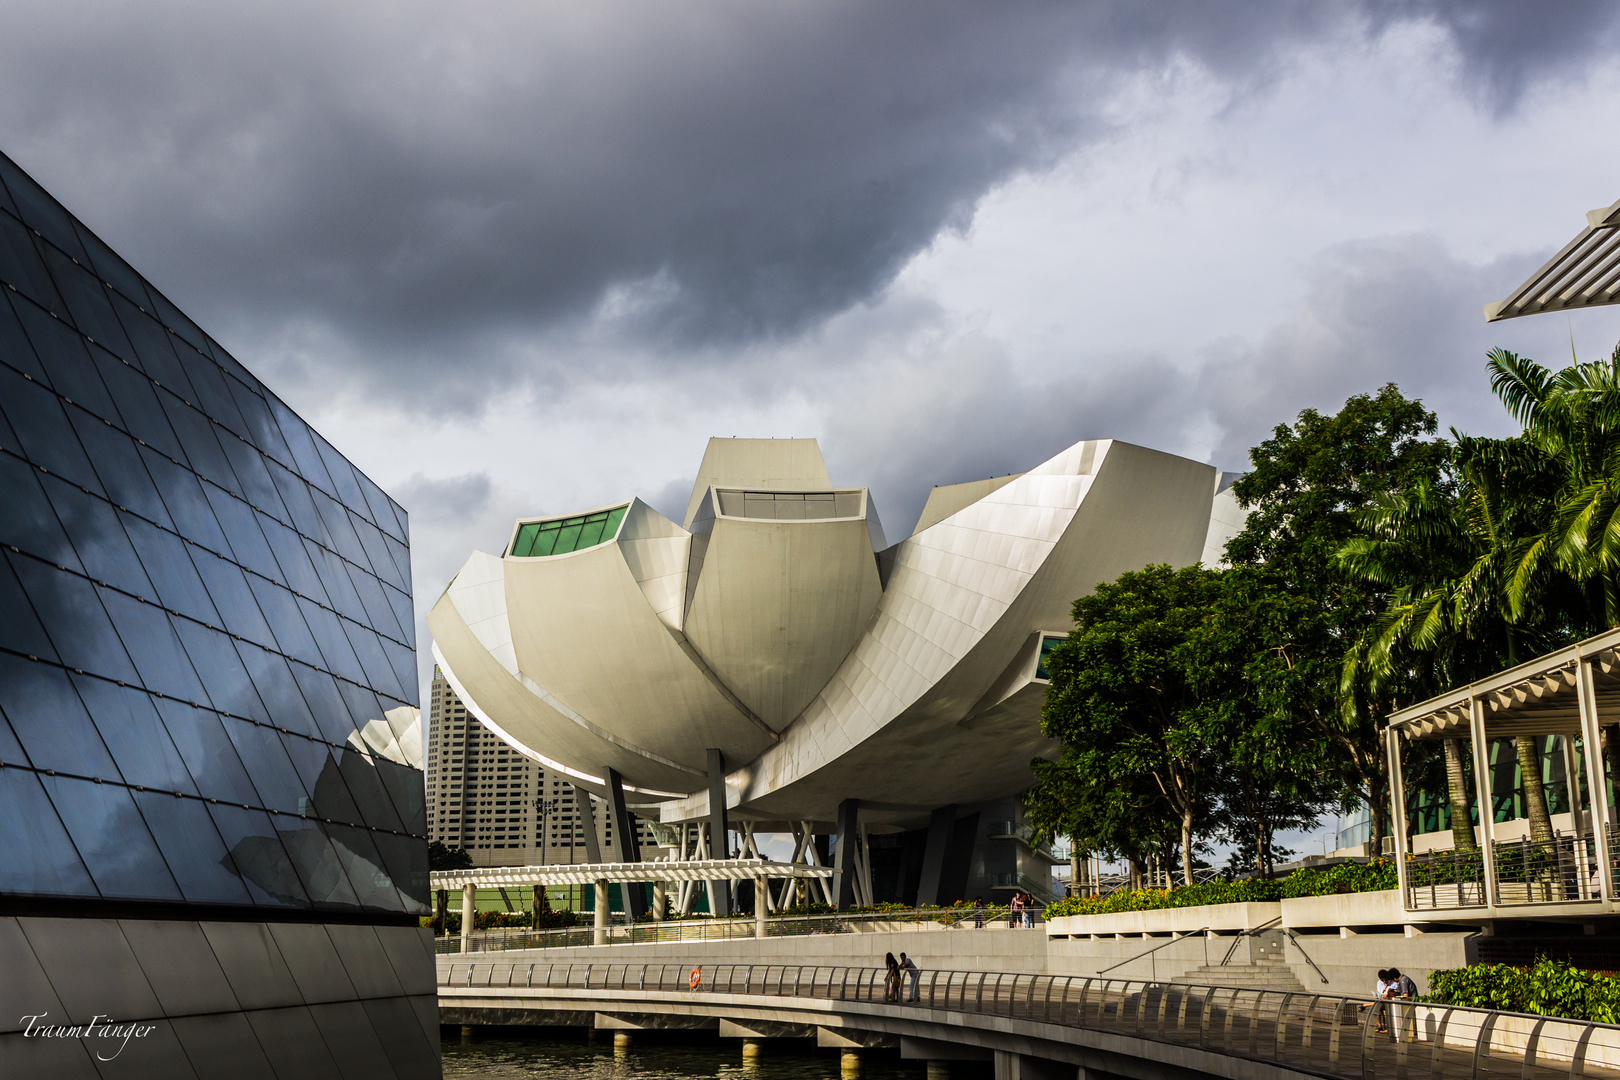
{"x": 1482, "y": 797}
{"x": 1397, "y": 798}
{"x": 1596, "y": 777}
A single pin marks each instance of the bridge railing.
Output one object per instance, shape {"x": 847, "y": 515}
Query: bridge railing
{"x": 646, "y": 933}
{"x": 1328, "y": 1035}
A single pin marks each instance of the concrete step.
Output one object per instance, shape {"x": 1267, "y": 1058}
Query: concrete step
{"x": 1267, "y": 976}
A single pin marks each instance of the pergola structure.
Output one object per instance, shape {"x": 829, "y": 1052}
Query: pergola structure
{"x": 600, "y": 875}
{"x": 1586, "y": 273}
{"x": 1567, "y": 694}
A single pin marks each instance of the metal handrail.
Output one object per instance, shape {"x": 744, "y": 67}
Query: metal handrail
{"x": 1295, "y": 939}
{"x": 1335, "y": 1036}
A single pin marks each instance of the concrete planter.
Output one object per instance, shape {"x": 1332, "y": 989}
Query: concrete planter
{"x": 1381, "y": 908}
{"x": 1222, "y": 917}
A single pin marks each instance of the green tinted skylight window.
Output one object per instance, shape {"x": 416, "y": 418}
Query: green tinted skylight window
{"x": 540, "y": 538}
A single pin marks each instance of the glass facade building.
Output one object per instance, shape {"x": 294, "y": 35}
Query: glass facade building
{"x": 210, "y": 761}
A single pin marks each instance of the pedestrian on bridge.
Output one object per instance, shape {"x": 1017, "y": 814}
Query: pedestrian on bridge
{"x": 891, "y": 978}
{"x": 911, "y": 972}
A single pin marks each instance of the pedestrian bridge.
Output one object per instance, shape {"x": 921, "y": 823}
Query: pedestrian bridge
{"x": 1035, "y": 1027}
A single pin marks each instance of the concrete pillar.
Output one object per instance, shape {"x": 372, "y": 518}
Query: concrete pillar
{"x": 602, "y": 913}
{"x": 844, "y": 856}
{"x": 939, "y": 1070}
{"x": 761, "y": 893}
{"x": 621, "y": 1041}
{"x": 441, "y": 904}
{"x": 753, "y": 1048}
{"x": 660, "y": 900}
{"x": 469, "y": 909}
{"x": 624, "y": 832}
{"x": 719, "y": 891}
{"x": 849, "y": 1063}
{"x": 941, "y": 824}
{"x": 585, "y": 811}
{"x": 466, "y": 1032}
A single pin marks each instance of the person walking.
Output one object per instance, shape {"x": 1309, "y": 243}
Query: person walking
{"x": 913, "y": 973}
{"x": 891, "y": 978}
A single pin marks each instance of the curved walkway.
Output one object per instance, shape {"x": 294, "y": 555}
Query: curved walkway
{"x": 1150, "y": 1031}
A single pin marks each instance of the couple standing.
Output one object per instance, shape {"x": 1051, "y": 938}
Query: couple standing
{"x": 899, "y": 969}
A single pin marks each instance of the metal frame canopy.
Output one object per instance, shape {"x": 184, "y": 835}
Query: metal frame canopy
{"x": 626, "y": 873}
{"x": 1586, "y": 273}
{"x": 1566, "y": 693}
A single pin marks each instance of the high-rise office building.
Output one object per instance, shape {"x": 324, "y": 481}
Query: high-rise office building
{"x": 490, "y": 800}
{"x": 209, "y": 748}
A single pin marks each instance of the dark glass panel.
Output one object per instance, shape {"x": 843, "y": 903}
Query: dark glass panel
{"x": 262, "y": 429}
{"x": 112, "y": 269}
{"x": 199, "y": 442}
{"x": 379, "y": 672}
{"x": 179, "y": 586}
{"x": 228, "y": 362}
{"x": 10, "y": 749}
{"x": 341, "y": 471}
{"x": 213, "y": 396}
{"x": 135, "y": 735}
{"x": 42, "y": 427}
{"x": 41, "y": 859}
{"x": 325, "y": 702}
{"x": 232, "y": 597}
{"x": 183, "y": 494}
{"x": 268, "y": 767}
{"x": 335, "y": 647}
{"x": 207, "y": 751}
{"x": 335, "y": 580}
{"x": 403, "y": 661}
{"x": 22, "y": 268}
{"x": 367, "y": 871}
{"x": 112, "y": 839}
{"x": 15, "y": 349}
{"x": 20, "y": 629}
{"x": 403, "y": 613}
{"x": 296, "y": 570}
{"x": 221, "y": 671}
{"x": 404, "y": 786}
{"x": 74, "y": 618}
{"x": 26, "y": 518}
{"x": 360, "y": 773}
{"x": 277, "y": 689}
{"x": 41, "y": 212}
{"x": 7, "y": 204}
{"x": 382, "y": 509}
{"x": 257, "y": 487}
{"x": 154, "y": 645}
{"x": 308, "y": 459}
{"x": 137, "y": 401}
{"x": 259, "y": 857}
{"x": 317, "y": 863}
{"x": 318, "y": 770}
{"x": 295, "y": 495}
{"x": 154, "y": 354}
{"x": 118, "y": 462}
{"x": 192, "y": 847}
{"x": 336, "y": 520}
{"x": 379, "y": 613}
{"x": 49, "y": 720}
{"x": 66, "y": 360}
{"x": 406, "y": 859}
{"x": 280, "y": 610}
{"x": 243, "y": 533}
{"x": 87, "y": 304}
{"x": 98, "y": 537}
{"x": 404, "y": 519}
{"x": 176, "y": 320}
{"x": 379, "y": 554}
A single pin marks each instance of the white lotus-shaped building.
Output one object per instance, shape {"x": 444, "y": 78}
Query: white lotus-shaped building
{"x": 777, "y": 625}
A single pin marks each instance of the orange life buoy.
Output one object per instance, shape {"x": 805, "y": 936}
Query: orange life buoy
{"x": 696, "y": 977}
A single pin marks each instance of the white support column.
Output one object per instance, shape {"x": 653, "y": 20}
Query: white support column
{"x": 1397, "y": 798}
{"x": 1481, "y": 750}
{"x": 660, "y": 899}
{"x": 762, "y": 893}
{"x": 600, "y": 936}
{"x": 1580, "y": 848}
{"x": 863, "y": 869}
{"x": 469, "y": 905}
{"x": 1596, "y": 787}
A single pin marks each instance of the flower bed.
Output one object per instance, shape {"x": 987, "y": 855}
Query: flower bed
{"x": 1344, "y": 878}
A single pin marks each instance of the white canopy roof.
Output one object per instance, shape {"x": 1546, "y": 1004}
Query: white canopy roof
{"x": 1585, "y": 274}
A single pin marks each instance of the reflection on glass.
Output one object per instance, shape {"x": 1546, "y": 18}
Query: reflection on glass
{"x": 317, "y": 862}
{"x": 209, "y": 755}
{"x": 193, "y": 849}
{"x": 74, "y": 619}
{"x": 39, "y": 860}
{"x": 112, "y": 839}
{"x": 258, "y": 857}
{"x": 134, "y": 734}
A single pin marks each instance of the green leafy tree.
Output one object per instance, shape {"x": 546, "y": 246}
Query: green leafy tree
{"x": 441, "y": 857}
{"x": 1309, "y": 481}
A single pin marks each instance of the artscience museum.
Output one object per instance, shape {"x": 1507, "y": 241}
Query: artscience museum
{"x": 773, "y": 663}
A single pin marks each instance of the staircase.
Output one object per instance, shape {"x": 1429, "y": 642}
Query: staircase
{"x": 1258, "y": 963}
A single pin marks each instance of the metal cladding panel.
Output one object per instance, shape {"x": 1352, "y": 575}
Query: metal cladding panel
{"x": 963, "y": 598}
{"x": 767, "y": 464}
{"x": 581, "y": 625}
{"x": 779, "y": 604}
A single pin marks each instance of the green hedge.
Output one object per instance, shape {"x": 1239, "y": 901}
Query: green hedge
{"x": 1547, "y": 988}
{"x": 1346, "y": 877}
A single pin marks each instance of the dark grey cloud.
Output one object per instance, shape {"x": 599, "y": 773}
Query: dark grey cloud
{"x": 421, "y": 196}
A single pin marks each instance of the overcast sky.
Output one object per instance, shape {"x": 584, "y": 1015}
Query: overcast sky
{"x": 527, "y": 257}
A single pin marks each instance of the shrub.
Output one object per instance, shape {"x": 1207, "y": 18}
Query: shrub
{"x": 1546, "y": 988}
{"x": 1346, "y": 877}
